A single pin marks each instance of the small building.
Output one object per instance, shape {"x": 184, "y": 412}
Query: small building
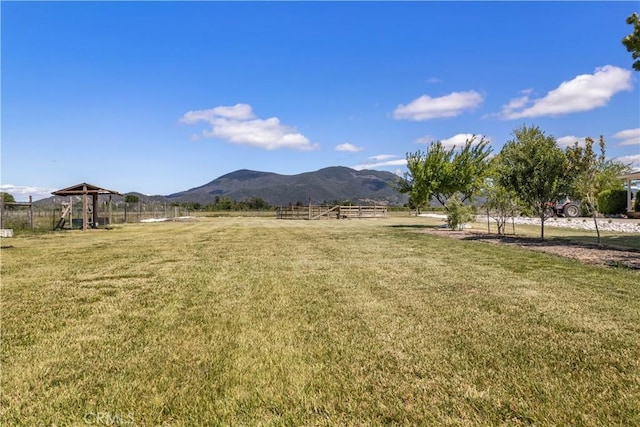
{"x": 85, "y": 190}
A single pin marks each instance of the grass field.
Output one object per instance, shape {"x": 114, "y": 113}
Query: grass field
{"x": 255, "y": 321}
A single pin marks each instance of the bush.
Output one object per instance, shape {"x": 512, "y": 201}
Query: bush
{"x": 636, "y": 205}
{"x": 458, "y": 213}
{"x": 612, "y": 202}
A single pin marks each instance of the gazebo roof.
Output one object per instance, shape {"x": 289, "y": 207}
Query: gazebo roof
{"x": 84, "y": 188}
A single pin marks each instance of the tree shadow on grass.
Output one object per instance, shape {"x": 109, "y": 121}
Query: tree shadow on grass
{"x": 587, "y": 252}
{"x": 414, "y": 226}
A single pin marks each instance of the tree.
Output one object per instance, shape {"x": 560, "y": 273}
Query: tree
{"x": 469, "y": 169}
{"x": 418, "y": 180}
{"x": 7, "y": 198}
{"x": 129, "y": 198}
{"x": 500, "y": 203}
{"x": 632, "y": 41}
{"x": 535, "y": 168}
{"x": 591, "y": 174}
{"x": 440, "y": 173}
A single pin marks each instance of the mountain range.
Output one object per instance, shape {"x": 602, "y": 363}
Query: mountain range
{"x": 326, "y": 185}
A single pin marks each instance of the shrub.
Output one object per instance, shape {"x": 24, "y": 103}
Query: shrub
{"x": 612, "y": 202}
{"x": 458, "y": 213}
{"x": 636, "y": 205}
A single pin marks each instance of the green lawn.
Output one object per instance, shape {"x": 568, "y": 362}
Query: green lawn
{"x": 255, "y": 321}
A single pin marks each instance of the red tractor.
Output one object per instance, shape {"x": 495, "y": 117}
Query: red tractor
{"x": 565, "y": 207}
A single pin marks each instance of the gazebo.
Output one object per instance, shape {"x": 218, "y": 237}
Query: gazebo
{"x": 628, "y": 178}
{"x": 85, "y": 190}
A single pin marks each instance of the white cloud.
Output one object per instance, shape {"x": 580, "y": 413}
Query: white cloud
{"x": 348, "y": 147}
{"x": 633, "y": 160}
{"x": 460, "y": 139}
{"x": 427, "y": 139}
{"x": 21, "y": 193}
{"x": 569, "y": 140}
{"x": 237, "y": 124}
{"x": 582, "y": 93}
{"x": 382, "y": 157}
{"x": 379, "y": 161}
{"x": 434, "y": 80}
{"x": 426, "y": 108}
{"x": 628, "y": 137}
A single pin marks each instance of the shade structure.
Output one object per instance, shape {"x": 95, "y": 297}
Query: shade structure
{"x": 85, "y": 190}
{"x": 628, "y": 178}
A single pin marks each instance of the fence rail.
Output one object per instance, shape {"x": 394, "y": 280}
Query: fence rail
{"x": 27, "y": 216}
{"x": 22, "y": 217}
{"x": 331, "y": 212}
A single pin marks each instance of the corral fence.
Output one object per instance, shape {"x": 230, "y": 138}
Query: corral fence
{"x": 32, "y": 216}
{"x": 312, "y": 212}
{"x": 25, "y": 210}
{"x": 28, "y": 215}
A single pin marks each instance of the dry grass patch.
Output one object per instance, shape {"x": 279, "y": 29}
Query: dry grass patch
{"x": 257, "y": 321}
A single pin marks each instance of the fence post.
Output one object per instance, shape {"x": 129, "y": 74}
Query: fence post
{"x": 31, "y": 212}
{"x": 488, "y": 222}
{"x": 85, "y": 206}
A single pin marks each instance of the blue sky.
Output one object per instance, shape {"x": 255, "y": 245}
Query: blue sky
{"x": 160, "y": 97}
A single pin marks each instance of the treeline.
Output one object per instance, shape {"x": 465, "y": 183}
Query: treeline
{"x": 531, "y": 173}
{"x": 227, "y": 204}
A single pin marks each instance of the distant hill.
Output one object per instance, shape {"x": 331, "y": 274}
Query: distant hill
{"x": 324, "y": 185}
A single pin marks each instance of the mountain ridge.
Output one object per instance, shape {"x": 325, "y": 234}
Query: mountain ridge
{"x": 326, "y": 185}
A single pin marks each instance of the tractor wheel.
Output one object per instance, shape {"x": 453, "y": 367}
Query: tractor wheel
{"x": 571, "y": 210}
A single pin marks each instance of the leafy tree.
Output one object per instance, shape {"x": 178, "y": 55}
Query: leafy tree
{"x": 440, "y": 173}
{"x": 225, "y": 204}
{"x": 535, "y": 168}
{"x": 7, "y": 198}
{"x": 632, "y": 41}
{"x": 191, "y": 206}
{"x": 591, "y": 174}
{"x": 410, "y": 184}
{"x": 129, "y": 198}
{"x": 257, "y": 203}
{"x": 469, "y": 169}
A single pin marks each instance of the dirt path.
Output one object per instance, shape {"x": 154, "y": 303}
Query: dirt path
{"x": 586, "y": 253}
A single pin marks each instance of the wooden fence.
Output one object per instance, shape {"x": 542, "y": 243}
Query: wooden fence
{"x": 25, "y": 209}
{"x": 25, "y": 216}
{"x": 331, "y": 212}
